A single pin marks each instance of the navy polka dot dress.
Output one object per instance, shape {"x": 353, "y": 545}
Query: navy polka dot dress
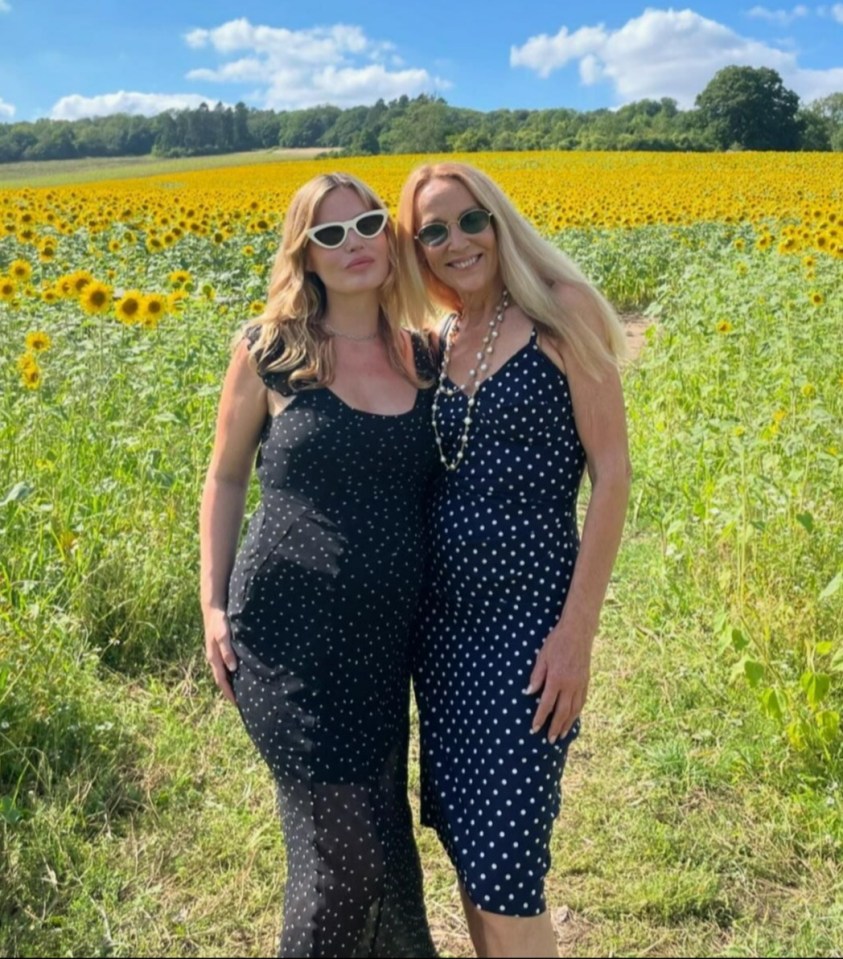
{"x": 504, "y": 544}
{"x": 322, "y": 597}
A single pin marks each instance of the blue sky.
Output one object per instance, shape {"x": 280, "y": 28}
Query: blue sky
{"x": 90, "y": 58}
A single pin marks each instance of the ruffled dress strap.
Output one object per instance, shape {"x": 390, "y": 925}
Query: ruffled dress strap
{"x": 277, "y": 380}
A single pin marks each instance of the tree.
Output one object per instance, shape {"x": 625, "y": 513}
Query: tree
{"x": 830, "y": 110}
{"x": 816, "y": 131}
{"x": 750, "y": 108}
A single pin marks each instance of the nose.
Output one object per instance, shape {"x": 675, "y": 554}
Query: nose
{"x": 353, "y": 240}
{"x": 457, "y": 240}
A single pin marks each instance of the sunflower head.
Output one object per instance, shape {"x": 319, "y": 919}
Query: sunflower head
{"x": 8, "y": 288}
{"x": 128, "y": 307}
{"x": 154, "y": 306}
{"x": 31, "y": 377}
{"x": 20, "y": 270}
{"x": 38, "y": 341}
{"x": 96, "y": 298}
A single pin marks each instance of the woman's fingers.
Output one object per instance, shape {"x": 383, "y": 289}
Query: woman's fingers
{"x": 537, "y": 677}
{"x": 220, "y": 655}
{"x": 545, "y": 708}
{"x": 224, "y": 644}
{"x": 563, "y": 718}
{"x": 221, "y": 678}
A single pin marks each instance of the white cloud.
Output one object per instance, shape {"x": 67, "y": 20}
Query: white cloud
{"x": 782, "y": 17}
{"x": 147, "y": 104}
{"x": 6, "y": 109}
{"x": 337, "y": 64}
{"x": 5, "y": 7}
{"x": 837, "y": 12}
{"x": 664, "y": 53}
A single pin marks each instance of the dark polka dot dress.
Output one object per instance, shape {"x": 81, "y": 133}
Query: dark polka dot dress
{"x": 504, "y": 544}
{"x": 322, "y": 597}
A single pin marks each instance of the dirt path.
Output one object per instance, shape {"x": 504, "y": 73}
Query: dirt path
{"x": 635, "y": 326}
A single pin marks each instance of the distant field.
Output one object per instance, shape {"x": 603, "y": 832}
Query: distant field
{"x": 60, "y": 172}
{"x": 703, "y": 810}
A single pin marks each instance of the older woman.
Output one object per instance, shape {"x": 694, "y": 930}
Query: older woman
{"x": 308, "y": 629}
{"x": 529, "y": 395}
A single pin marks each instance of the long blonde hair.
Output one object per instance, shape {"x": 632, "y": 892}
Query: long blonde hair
{"x": 297, "y": 299}
{"x": 529, "y": 267}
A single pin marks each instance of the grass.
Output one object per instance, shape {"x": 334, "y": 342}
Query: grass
{"x": 37, "y": 173}
{"x": 136, "y": 817}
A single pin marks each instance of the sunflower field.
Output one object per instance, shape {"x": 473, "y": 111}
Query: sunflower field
{"x": 704, "y": 804}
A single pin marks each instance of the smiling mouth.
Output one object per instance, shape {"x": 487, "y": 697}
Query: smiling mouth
{"x": 465, "y": 264}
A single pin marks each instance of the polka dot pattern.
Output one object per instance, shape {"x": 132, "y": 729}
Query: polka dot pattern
{"x": 322, "y": 596}
{"x": 504, "y": 544}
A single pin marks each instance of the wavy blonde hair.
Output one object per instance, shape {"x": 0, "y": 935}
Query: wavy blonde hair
{"x": 290, "y": 324}
{"x": 530, "y": 266}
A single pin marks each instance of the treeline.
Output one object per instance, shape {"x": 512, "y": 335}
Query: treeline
{"x": 741, "y": 108}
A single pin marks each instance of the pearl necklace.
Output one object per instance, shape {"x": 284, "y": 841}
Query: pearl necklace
{"x": 475, "y": 376}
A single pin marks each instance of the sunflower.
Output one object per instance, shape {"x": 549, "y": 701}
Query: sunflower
{"x": 128, "y": 307}
{"x": 154, "y": 244}
{"x": 154, "y": 306}
{"x": 8, "y": 288}
{"x": 64, "y": 286}
{"x": 49, "y": 295}
{"x": 256, "y": 307}
{"x": 114, "y": 246}
{"x": 31, "y": 377}
{"x": 179, "y": 278}
{"x": 38, "y": 341}
{"x": 724, "y": 326}
{"x": 79, "y": 280}
{"x": 176, "y": 301}
{"x": 816, "y": 298}
{"x": 20, "y": 270}
{"x": 26, "y": 361}
{"x": 96, "y": 298}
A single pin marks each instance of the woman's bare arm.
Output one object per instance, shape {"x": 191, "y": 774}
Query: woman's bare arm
{"x": 563, "y": 666}
{"x": 242, "y": 413}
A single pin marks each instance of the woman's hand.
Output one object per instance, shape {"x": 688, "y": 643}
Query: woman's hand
{"x": 562, "y": 672}
{"x": 218, "y": 650}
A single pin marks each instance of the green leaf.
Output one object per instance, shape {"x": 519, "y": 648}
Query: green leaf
{"x": 823, "y": 649}
{"x": 806, "y": 520}
{"x": 754, "y": 671}
{"x": 837, "y": 661}
{"x": 828, "y": 721}
{"x": 771, "y": 704}
{"x": 797, "y": 733}
{"x": 9, "y": 812}
{"x": 816, "y": 687}
{"x": 832, "y": 587}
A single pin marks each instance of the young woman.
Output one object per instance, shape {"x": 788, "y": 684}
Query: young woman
{"x": 308, "y": 628}
{"x": 529, "y": 395}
